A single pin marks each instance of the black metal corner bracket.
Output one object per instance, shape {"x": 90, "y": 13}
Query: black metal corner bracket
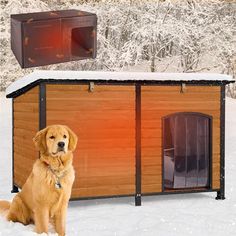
{"x": 138, "y": 145}
{"x": 221, "y": 193}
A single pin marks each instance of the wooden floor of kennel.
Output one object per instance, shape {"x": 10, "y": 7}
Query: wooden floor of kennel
{"x": 125, "y": 114}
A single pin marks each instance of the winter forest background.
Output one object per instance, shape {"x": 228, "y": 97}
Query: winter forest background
{"x": 141, "y": 35}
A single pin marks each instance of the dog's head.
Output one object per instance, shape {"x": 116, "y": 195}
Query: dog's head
{"x": 55, "y": 140}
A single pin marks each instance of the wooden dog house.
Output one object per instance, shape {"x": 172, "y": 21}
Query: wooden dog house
{"x": 139, "y": 133}
{"x": 44, "y": 38}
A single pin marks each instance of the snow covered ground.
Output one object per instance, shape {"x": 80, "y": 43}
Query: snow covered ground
{"x": 189, "y": 214}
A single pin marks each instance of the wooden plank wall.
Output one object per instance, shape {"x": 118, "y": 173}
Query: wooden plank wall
{"x": 26, "y": 124}
{"x": 159, "y": 101}
{"x": 104, "y": 121}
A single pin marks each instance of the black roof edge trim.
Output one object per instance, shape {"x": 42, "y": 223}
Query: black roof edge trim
{"x": 110, "y": 82}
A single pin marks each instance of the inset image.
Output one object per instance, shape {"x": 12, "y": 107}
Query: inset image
{"x": 45, "y": 38}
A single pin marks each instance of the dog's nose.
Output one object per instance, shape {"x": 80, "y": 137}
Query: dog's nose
{"x": 61, "y": 144}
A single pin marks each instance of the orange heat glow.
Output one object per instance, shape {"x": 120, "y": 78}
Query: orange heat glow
{"x": 49, "y": 38}
{"x": 104, "y": 121}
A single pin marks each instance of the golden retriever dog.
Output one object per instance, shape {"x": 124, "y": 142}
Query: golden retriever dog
{"x": 45, "y": 194}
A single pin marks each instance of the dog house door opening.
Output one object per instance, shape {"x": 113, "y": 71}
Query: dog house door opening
{"x": 82, "y": 41}
{"x": 186, "y": 150}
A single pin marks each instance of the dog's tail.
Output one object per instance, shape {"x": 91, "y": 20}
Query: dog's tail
{"x": 4, "y": 207}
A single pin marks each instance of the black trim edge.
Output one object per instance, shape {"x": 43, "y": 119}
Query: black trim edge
{"x": 181, "y": 192}
{"x": 210, "y": 174}
{"x": 14, "y": 187}
{"x": 101, "y": 197}
{"x": 144, "y": 194}
{"x": 138, "y": 145}
{"x": 22, "y": 47}
{"x": 221, "y": 193}
{"x": 125, "y": 82}
{"x": 42, "y": 106}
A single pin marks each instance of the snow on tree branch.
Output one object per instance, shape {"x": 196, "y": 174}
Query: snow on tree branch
{"x": 144, "y": 35}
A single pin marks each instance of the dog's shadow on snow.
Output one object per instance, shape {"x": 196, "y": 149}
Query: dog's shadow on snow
{"x": 154, "y": 199}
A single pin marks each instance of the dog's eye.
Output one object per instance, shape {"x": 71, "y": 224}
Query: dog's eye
{"x": 64, "y": 136}
{"x": 52, "y": 137}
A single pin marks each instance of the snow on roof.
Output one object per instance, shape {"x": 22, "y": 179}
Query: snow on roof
{"x": 113, "y": 76}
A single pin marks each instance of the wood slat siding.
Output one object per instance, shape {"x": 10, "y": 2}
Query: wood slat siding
{"x": 159, "y": 101}
{"x": 104, "y": 121}
{"x": 26, "y": 124}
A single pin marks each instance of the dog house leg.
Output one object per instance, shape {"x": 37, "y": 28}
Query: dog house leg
{"x": 220, "y": 195}
{"x": 14, "y": 189}
{"x": 138, "y": 200}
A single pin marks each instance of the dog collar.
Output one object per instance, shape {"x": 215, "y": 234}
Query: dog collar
{"x": 57, "y": 177}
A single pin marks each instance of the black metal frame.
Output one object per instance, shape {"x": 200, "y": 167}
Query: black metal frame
{"x": 42, "y": 106}
{"x": 186, "y": 190}
{"x": 113, "y": 82}
{"x": 147, "y": 194}
{"x": 14, "y": 187}
{"x": 221, "y": 192}
{"x": 138, "y": 145}
{"x": 42, "y": 123}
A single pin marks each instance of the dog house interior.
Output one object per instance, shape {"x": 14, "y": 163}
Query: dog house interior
{"x": 52, "y": 37}
{"x": 139, "y": 133}
{"x": 81, "y": 45}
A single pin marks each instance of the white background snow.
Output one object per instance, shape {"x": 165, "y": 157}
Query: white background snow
{"x": 170, "y": 215}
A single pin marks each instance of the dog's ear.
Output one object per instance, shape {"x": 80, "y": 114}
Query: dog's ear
{"x": 40, "y": 140}
{"x": 72, "y": 139}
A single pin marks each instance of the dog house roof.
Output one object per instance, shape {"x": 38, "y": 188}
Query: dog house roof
{"x": 29, "y": 17}
{"x": 20, "y": 86}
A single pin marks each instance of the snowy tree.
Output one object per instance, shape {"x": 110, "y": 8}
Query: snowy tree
{"x": 161, "y": 35}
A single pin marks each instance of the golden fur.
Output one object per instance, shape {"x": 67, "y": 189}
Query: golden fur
{"x": 40, "y": 200}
